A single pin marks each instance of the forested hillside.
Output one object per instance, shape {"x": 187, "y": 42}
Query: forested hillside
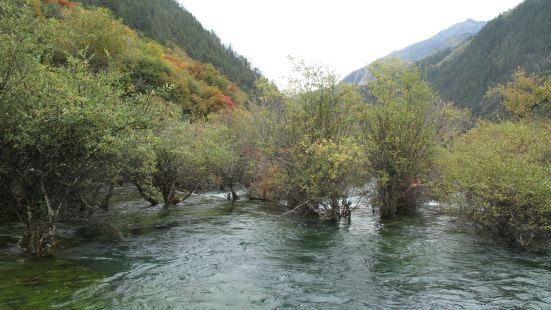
{"x": 518, "y": 38}
{"x": 167, "y": 22}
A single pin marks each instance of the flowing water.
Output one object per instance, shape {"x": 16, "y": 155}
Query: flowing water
{"x": 211, "y": 254}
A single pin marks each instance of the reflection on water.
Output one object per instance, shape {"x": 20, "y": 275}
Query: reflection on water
{"x": 207, "y": 253}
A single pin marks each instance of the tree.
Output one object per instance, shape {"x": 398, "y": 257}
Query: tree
{"x": 315, "y": 161}
{"x": 61, "y": 148}
{"x": 238, "y": 142}
{"x": 399, "y": 135}
{"x": 62, "y": 129}
{"x": 523, "y": 94}
{"x": 179, "y": 164}
{"x": 267, "y": 114}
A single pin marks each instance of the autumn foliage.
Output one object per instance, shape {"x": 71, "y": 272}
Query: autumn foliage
{"x": 62, "y": 3}
{"x": 175, "y": 61}
{"x": 211, "y": 91}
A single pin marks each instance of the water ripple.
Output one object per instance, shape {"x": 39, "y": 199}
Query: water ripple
{"x": 209, "y": 254}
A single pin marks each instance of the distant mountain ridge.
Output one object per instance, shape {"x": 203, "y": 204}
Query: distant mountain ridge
{"x": 446, "y": 39}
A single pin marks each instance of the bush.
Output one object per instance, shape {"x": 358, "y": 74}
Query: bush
{"x": 503, "y": 172}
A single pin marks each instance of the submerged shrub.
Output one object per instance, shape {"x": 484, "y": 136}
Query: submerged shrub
{"x": 400, "y": 135}
{"x": 503, "y": 172}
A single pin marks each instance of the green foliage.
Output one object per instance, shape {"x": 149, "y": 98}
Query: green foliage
{"x": 517, "y": 38}
{"x": 399, "y": 135}
{"x": 94, "y": 35}
{"x": 524, "y": 94}
{"x": 503, "y": 171}
{"x": 240, "y": 141}
{"x": 66, "y": 128}
{"x": 88, "y": 104}
{"x": 60, "y": 144}
{"x": 314, "y": 159}
{"x": 450, "y": 122}
{"x": 197, "y": 88}
{"x": 175, "y": 162}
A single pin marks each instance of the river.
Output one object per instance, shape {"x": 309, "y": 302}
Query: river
{"x": 211, "y": 254}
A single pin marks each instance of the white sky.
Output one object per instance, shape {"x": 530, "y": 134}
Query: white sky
{"x": 344, "y": 34}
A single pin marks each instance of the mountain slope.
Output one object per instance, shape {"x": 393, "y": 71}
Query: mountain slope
{"x": 446, "y": 39}
{"x": 519, "y": 37}
{"x": 198, "y": 89}
{"x": 168, "y": 22}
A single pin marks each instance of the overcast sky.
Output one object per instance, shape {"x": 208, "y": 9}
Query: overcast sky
{"x": 344, "y": 35}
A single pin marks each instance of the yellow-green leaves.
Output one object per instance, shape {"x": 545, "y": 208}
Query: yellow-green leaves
{"x": 95, "y": 35}
{"x": 308, "y": 145}
{"x": 523, "y": 93}
{"x": 504, "y": 171}
{"x": 399, "y": 134}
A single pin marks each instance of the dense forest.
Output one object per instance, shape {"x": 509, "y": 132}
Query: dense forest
{"x": 88, "y": 104}
{"x": 518, "y": 38}
{"x": 168, "y": 23}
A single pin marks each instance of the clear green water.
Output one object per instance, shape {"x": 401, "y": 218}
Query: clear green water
{"x": 209, "y": 254}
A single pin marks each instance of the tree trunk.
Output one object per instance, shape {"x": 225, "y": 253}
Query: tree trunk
{"x": 387, "y": 200}
{"x": 168, "y": 193}
{"x": 145, "y": 195}
{"x": 234, "y": 196}
{"x": 187, "y": 195}
{"x": 105, "y": 202}
{"x": 397, "y": 196}
{"x": 335, "y": 209}
{"x": 346, "y": 211}
{"x": 39, "y": 236}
